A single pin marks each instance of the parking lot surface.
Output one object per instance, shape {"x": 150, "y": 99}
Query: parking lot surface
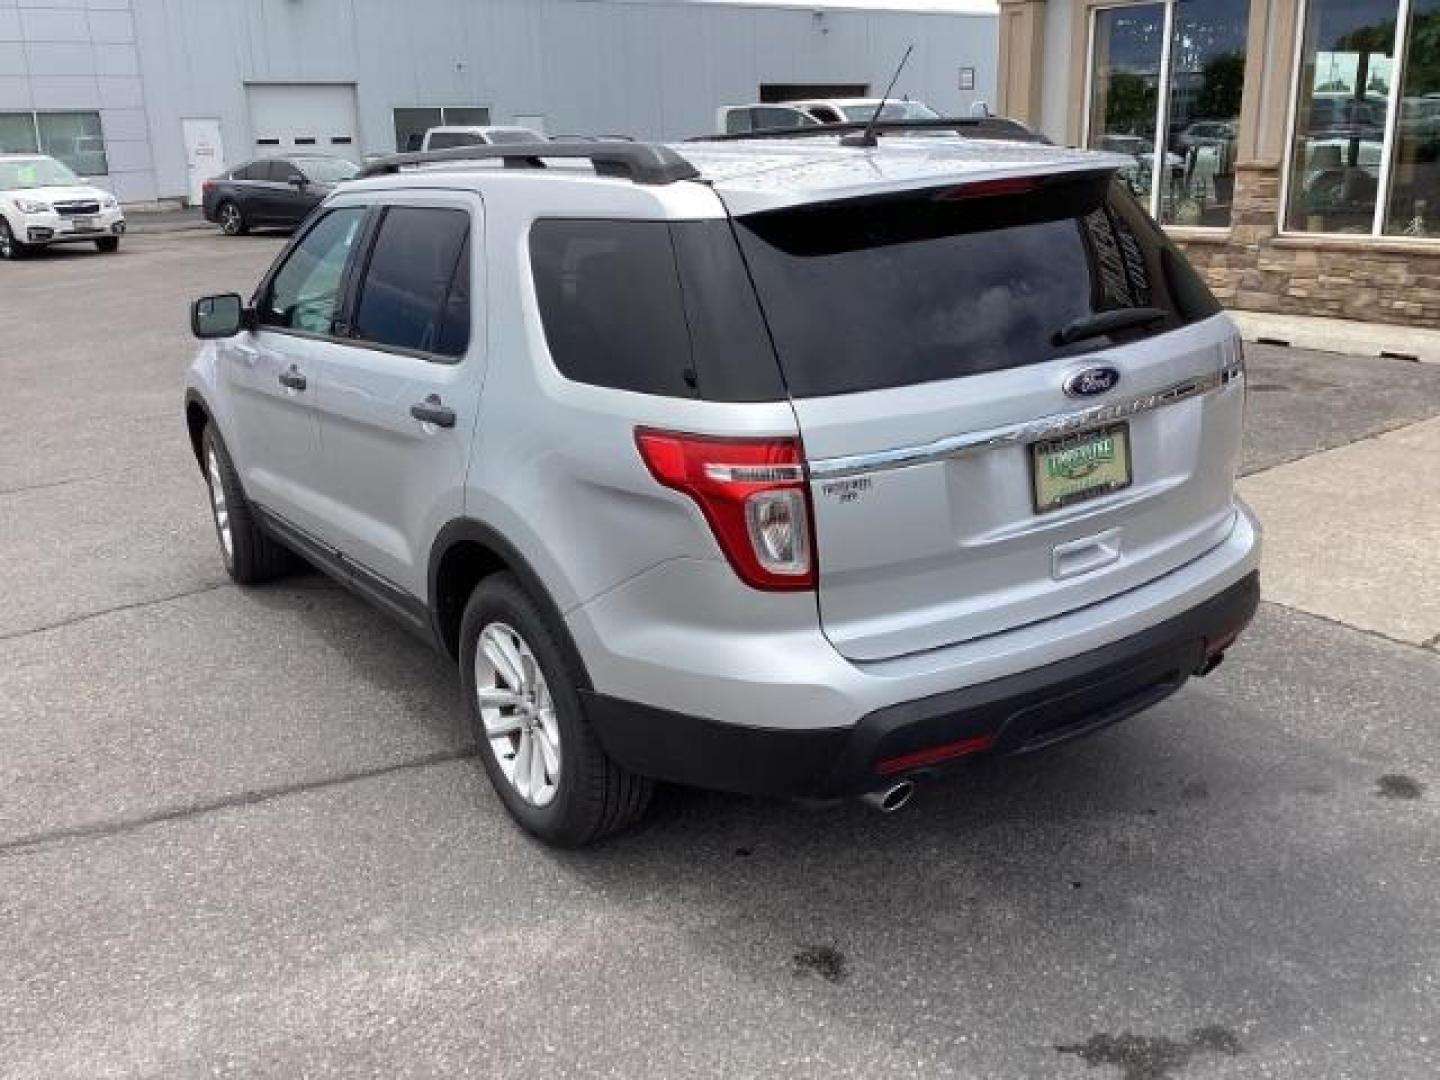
{"x": 241, "y": 833}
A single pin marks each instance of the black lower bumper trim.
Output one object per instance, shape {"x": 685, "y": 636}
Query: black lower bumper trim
{"x": 1015, "y": 714}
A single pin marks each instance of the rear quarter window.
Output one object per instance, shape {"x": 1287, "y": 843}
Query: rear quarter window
{"x": 652, "y": 307}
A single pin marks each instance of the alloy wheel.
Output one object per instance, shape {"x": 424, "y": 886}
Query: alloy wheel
{"x": 218, "y": 505}
{"x": 7, "y": 241}
{"x": 230, "y": 219}
{"x": 518, "y": 714}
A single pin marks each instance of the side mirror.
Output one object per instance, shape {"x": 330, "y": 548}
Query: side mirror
{"x": 220, "y": 316}
{"x": 296, "y": 180}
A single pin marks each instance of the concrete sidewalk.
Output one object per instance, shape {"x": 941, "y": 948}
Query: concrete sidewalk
{"x": 1340, "y": 335}
{"x": 1353, "y": 534}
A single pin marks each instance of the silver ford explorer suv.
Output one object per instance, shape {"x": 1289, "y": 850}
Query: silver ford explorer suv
{"x": 789, "y": 468}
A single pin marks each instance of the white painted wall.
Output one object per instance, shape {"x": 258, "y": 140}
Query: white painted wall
{"x": 82, "y": 55}
{"x": 650, "y": 68}
{"x": 1055, "y": 98}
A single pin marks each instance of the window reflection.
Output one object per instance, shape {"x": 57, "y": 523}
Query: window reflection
{"x": 1345, "y": 74}
{"x": 1125, "y": 90}
{"x": 1414, "y": 206}
{"x": 1207, "y": 77}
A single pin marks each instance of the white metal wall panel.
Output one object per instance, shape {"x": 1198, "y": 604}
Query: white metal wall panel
{"x": 648, "y": 68}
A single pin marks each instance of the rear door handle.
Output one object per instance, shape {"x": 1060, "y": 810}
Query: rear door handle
{"x": 433, "y": 411}
{"x": 292, "y": 378}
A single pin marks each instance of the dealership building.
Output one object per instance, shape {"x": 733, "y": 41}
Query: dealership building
{"x": 1292, "y": 147}
{"x": 153, "y": 96}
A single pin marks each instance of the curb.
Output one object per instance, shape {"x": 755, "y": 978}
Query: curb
{"x": 1343, "y": 336}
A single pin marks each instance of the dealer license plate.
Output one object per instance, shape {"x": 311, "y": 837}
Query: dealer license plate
{"x": 1081, "y": 466}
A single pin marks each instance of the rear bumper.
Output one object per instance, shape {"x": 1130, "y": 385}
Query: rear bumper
{"x": 1014, "y": 714}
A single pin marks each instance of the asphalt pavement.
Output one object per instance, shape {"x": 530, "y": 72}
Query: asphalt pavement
{"x": 241, "y": 833}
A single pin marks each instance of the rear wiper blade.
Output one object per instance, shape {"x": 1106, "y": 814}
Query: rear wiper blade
{"x": 1107, "y": 322}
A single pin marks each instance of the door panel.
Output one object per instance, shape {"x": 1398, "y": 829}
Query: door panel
{"x": 276, "y": 439}
{"x": 305, "y": 117}
{"x": 391, "y": 479}
{"x": 275, "y": 372}
{"x": 204, "y": 154}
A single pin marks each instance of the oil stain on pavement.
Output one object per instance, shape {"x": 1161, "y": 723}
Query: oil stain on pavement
{"x": 1143, "y": 1058}
{"x": 823, "y": 960}
{"x": 1398, "y": 786}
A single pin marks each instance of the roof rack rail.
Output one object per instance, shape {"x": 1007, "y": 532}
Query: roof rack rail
{"x": 971, "y": 127}
{"x": 644, "y": 163}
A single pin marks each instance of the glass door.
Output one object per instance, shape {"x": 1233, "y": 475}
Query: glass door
{"x": 1165, "y": 85}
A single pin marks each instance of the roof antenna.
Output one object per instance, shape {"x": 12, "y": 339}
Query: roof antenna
{"x": 867, "y": 138}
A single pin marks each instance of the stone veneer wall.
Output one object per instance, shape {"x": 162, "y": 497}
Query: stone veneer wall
{"x": 1255, "y": 270}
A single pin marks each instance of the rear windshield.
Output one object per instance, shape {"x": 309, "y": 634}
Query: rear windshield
{"x": 876, "y": 293}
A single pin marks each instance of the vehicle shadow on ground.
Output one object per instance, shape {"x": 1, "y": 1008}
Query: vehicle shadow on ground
{"x": 1166, "y": 859}
{"x": 1191, "y": 872}
{"x": 374, "y": 651}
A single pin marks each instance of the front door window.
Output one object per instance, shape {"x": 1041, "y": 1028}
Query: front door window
{"x": 305, "y": 293}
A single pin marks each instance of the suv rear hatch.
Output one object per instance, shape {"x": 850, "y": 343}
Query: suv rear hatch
{"x": 1016, "y": 398}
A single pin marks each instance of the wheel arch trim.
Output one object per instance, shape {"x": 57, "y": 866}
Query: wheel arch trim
{"x": 470, "y": 531}
{"x": 194, "y": 400}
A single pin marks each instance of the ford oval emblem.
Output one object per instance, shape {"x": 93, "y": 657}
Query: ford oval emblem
{"x": 1092, "y": 381}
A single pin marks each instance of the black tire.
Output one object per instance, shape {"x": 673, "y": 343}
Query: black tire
{"x": 251, "y": 556}
{"x": 108, "y": 244}
{"x": 231, "y": 218}
{"x": 593, "y": 796}
{"x": 11, "y": 248}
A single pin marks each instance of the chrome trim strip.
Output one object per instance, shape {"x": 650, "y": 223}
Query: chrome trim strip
{"x": 1048, "y": 427}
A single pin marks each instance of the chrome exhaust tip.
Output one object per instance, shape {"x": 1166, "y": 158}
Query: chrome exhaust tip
{"x": 889, "y": 799}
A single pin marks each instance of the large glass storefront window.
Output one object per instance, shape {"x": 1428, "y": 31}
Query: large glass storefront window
{"x": 76, "y": 139}
{"x": 1125, "y": 88}
{"x": 1414, "y": 205}
{"x": 411, "y": 124}
{"x": 1346, "y": 62}
{"x": 1366, "y": 157}
{"x": 17, "y": 133}
{"x": 1207, "y": 77}
{"x": 1189, "y": 91}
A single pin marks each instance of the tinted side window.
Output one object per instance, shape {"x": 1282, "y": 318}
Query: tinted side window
{"x": 443, "y": 140}
{"x": 278, "y": 170}
{"x": 610, "y": 300}
{"x": 766, "y": 119}
{"x": 305, "y": 293}
{"x": 254, "y": 171}
{"x": 454, "y": 337}
{"x": 403, "y": 299}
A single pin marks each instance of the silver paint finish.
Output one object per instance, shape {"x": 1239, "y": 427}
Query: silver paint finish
{"x": 1023, "y": 433}
{"x": 935, "y": 573}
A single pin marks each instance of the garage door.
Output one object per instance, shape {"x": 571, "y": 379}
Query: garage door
{"x": 287, "y": 118}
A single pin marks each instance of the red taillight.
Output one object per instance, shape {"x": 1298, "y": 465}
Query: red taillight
{"x": 981, "y": 189}
{"x": 753, "y": 494}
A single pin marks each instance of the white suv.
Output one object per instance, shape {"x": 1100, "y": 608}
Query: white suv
{"x": 42, "y": 202}
{"x": 787, "y": 467}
